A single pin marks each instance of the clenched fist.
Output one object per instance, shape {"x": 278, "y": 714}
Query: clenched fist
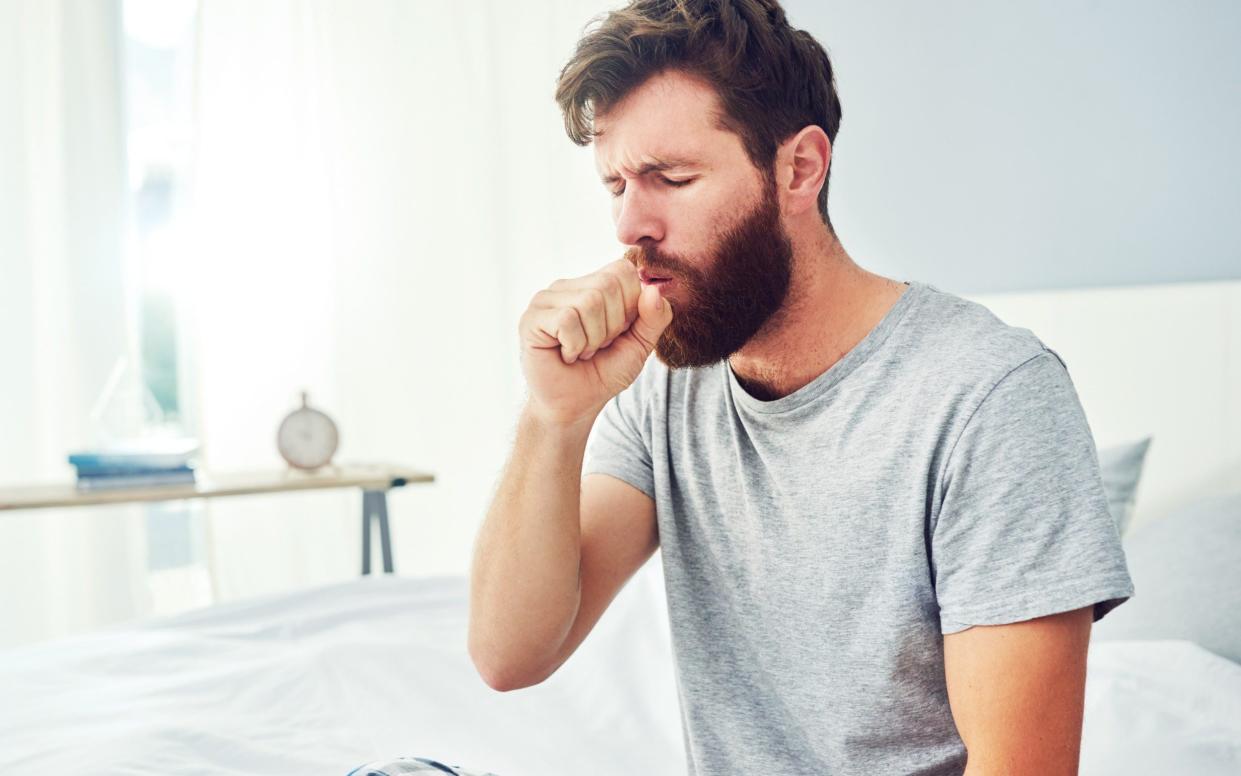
{"x": 586, "y": 339}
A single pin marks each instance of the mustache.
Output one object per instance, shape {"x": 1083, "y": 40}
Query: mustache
{"x": 652, "y": 259}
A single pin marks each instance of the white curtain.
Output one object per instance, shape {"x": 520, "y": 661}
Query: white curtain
{"x": 380, "y": 188}
{"x": 62, "y": 310}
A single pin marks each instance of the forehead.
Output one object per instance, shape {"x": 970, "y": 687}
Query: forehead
{"x": 671, "y": 116}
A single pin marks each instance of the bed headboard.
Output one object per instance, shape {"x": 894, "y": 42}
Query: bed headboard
{"x": 1159, "y": 360}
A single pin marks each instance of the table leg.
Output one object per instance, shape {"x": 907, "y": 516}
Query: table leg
{"x": 366, "y": 532}
{"x": 375, "y": 506}
{"x": 385, "y": 537}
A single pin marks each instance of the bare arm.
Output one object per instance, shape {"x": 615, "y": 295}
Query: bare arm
{"x": 524, "y": 581}
{"x": 1017, "y": 693}
{"x": 553, "y": 550}
{"x": 619, "y": 535}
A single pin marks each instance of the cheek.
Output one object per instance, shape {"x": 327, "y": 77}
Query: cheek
{"x": 697, "y": 219}
{"x": 708, "y": 223}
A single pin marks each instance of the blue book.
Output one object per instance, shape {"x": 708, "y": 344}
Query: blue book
{"x": 138, "y": 454}
{"x": 129, "y": 471}
{"x": 137, "y": 481}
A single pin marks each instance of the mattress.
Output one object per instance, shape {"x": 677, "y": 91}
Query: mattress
{"x": 321, "y": 680}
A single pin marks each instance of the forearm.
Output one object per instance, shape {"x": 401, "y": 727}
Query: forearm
{"x": 524, "y": 579}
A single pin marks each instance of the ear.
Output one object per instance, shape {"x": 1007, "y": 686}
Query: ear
{"x": 801, "y": 167}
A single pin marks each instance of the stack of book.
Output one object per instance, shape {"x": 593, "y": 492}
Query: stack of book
{"x": 137, "y": 463}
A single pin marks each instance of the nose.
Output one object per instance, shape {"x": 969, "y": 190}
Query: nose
{"x": 637, "y": 216}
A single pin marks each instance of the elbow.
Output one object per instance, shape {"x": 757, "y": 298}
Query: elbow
{"x": 502, "y": 679}
{"x": 499, "y": 674}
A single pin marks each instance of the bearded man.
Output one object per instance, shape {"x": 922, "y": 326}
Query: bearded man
{"x": 882, "y": 525}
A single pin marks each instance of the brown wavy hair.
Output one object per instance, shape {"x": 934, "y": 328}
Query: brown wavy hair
{"x": 772, "y": 80}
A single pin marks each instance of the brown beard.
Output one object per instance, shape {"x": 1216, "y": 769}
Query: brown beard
{"x": 722, "y": 308}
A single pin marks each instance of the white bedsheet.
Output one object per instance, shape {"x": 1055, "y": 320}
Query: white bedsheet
{"x": 1161, "y": 707}
{"x": 319, "y": 681}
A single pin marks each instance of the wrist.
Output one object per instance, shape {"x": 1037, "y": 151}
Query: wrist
{"x": 557, "y": 422}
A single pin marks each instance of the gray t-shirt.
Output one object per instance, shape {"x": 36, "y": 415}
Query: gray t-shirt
{"x": 941, "y": 475}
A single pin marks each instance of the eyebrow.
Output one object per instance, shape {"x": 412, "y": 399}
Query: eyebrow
{"x": 658, "y": 165}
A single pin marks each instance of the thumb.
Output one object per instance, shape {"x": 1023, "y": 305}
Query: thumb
{"x": 654, "y": 315}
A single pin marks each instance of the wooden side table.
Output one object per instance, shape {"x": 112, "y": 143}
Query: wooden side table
{"x": 375, "y": 480}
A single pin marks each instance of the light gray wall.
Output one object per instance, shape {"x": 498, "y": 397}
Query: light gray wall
{"x": 989, "y": 147}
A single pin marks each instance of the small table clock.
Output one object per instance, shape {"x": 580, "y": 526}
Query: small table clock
{"x": 307, "y": 438}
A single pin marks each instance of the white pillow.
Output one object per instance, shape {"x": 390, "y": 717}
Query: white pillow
{"x": 1186, "y": 570}
{"x": 1121, "y": 466}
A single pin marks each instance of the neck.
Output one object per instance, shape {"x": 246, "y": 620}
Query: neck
{"x": 832, "y": 305}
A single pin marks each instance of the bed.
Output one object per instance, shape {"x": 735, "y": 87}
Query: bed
{"x": 322, "y": 680}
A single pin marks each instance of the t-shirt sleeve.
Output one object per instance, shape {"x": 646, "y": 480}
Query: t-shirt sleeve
{"x": 619, "y": 442}
{"x": 1023, "y": 529}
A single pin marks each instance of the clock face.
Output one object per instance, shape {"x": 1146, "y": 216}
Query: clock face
{"x": 307, "y": 439}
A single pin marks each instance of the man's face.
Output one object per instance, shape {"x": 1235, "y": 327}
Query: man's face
{"x": 696, "y": 211}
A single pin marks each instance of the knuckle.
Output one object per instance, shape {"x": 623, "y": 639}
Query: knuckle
{"x": 612, "y": 285}
{"x": 594, "y": 304}
{"x": 566, "y": 318}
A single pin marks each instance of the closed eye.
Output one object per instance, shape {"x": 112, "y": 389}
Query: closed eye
{"x": 616, "y": 192}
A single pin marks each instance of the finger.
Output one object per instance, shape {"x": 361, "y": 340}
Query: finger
{"x": 591, "y": 306}
{"x": 559, "y": 327}
{"x": 609, "y": 289}
{"x": 617, "y": 316}
{"x": 534, "y": 330}
{"x": 631, "y": 289}
{"x": 620, "y": 286}
{"x": 654, "y": 315}
{"x": 614, "y": 301}
{"x": 595, "y": 308}
{"x": 570, "y": 333}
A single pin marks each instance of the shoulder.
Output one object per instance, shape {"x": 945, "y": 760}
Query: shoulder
{"x": 966, "y": 345}
{"x": 964, "y": 367}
